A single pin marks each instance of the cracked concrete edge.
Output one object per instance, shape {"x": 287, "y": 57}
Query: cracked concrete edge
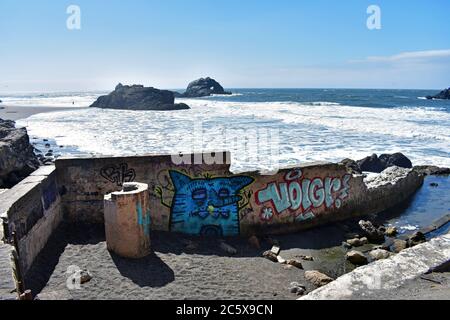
{"x": 387, "y": 274}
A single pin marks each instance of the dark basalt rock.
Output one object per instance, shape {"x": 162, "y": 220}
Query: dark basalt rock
{"x": 373, "y": 233}
{"x": 443, "y": 95}
{"x": 17, "y": 158}
{"x": 396, "y": 159}
{"x": 204, "y": 87}
{"x": 371, "y": 164}
{"x": 138, "y": 97}
{"x": 351, "y": 166}
{"x": 379, "y": 164}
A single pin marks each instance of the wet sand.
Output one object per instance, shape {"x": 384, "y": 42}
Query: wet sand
{"x": 177, "y": 272}
{"x": 17, "y": 113}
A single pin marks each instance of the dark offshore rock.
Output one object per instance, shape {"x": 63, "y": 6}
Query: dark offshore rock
{"x": 443, "y": 95}
{"x": 204, "y": 87}
{"x": 371, "y": 164}
{"x": 397, "y": 160}
{"x": 138, "y": 97}
{"x": 379, "y": 164}
{"x": 17, "y": 158}
{"x": 432, "y": 170}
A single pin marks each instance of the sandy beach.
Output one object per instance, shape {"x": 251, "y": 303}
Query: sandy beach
{"x": 183, "y": 267}
{"x": 17, "y": 113}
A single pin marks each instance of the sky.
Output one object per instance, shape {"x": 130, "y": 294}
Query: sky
{"x": 240, "y": 43}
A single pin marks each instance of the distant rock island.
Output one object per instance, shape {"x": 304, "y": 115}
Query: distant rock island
{"x": 444, "y": 95}
{"x": 203, "y": 87}
{"x": 138, "y": 97}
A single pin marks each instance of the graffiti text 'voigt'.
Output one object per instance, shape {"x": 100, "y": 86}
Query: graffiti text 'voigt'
{"x": 301, "y": 196}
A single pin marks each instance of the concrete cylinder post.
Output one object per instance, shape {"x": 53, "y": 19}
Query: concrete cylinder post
{"x": 127, "y": 221}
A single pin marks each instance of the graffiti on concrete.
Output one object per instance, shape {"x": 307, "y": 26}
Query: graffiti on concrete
{"x": 300, "y": 196}
{"x": 49, "y": 195}
{"x": 144, "y": 220}
{"x": 207, "y": 206}
{"x": 118, "y": 174}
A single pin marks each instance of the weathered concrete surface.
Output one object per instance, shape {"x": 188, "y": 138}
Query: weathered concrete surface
{"x": 32, "y": 210}
{"x": 7, "y": 284}
{"x": 389, "y": 274}
{"x": 127, "y": 221}
{"x": 209, "y": 199}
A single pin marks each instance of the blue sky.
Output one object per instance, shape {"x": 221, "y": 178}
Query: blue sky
{"x": 242, "y": 43}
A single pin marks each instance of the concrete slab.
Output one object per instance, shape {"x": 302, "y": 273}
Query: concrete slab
{"x": 44, "y": 171}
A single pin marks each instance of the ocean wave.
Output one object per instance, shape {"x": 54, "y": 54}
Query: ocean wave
{"x": 305, "y": 133}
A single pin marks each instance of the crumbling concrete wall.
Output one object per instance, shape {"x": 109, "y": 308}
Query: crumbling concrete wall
{"x": 32, "y": 210}
{"x": 208, "y": 199}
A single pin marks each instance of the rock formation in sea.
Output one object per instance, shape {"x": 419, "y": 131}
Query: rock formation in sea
{"x": 17, "y": 158}
{"x": 204, "y": 87}
{"x": 444, "y": 95}
{"x": 138, "y": 97}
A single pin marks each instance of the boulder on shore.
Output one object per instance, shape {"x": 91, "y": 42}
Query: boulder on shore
{"x": 373, "y": 234}
{"x": 204, "y": 87}
{"x": 317, "y": 278}
{"x": 443, "y": 95}
{"x": 17, "y": 158}
{"x": 138, "y": 97}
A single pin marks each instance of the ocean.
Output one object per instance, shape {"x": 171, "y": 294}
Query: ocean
{"x": 307, "y": 125}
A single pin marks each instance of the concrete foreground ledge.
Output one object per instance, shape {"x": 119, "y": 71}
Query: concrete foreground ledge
{"x": 387, "y": 274}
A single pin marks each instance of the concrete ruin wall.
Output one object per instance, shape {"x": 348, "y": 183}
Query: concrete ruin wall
{"x": 209, "y": 199}
{"x": 32, "y": 210}
{"x": 194, "y": 199}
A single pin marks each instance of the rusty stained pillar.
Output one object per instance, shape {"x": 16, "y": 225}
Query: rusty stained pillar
{"x": 128, "y": 222}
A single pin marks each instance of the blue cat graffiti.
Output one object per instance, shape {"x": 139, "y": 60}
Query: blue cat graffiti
{"x": 206, "y": 206}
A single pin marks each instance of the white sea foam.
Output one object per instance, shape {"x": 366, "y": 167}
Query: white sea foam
{"x": 307, "y": 133}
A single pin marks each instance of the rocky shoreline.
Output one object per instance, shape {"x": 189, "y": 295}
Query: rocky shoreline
{"x": 17, "y": 158}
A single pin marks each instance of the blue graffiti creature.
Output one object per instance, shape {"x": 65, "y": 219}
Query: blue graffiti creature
{"x": 206, "y": 206}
